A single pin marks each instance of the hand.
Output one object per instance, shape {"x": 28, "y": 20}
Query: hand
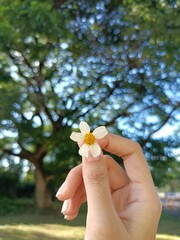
{"x": 122, "y": 205}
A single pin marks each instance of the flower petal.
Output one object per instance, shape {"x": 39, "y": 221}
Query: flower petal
{"x": 77, "y": 137}
{"x": 100, "y": 132}
{"x": 95, "y": 150}
{"x": 84, "y": 127}
{"x": 83, "y": 151}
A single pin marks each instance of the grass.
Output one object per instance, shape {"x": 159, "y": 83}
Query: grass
{"x": 169, "y": 227}
{"x": 24, "y": 222}
{"x": 42, "y": 231}
{"x": 28, "y": 223}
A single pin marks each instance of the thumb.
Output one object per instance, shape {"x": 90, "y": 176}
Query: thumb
{"x": 96, "y": 181}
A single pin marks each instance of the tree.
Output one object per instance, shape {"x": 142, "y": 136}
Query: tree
{"x": 106, "y": 62}
{"x": 9, "y": 182}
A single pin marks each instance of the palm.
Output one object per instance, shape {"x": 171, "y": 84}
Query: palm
{"x": 128, "y": 201}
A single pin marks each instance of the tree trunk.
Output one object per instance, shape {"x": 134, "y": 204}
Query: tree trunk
{"x": 43, "y": 197}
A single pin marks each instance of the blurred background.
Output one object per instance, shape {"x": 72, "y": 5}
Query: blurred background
{"x": 112, "y": 63}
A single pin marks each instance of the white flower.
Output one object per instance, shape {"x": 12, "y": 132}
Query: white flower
{"x": 88, "y": 140}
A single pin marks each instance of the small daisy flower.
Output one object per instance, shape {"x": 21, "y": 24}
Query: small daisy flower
{"x": 88, "y": 140}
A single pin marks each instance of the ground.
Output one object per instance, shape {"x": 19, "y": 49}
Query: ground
{"x": 32, "y": 224}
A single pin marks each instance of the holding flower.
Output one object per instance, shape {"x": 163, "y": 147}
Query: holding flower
{"x": 88, "y": 140}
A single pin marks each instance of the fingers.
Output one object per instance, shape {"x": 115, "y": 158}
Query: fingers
{"x": 71, "y": 184}
{"x": 117, "y": 176}
{"x": 72, "y": 192}
{"x": 131, "y": 152}
{"x": 103, "y": 175}
{"x": 98, "y": 191}
{"x": 70, "y": 207}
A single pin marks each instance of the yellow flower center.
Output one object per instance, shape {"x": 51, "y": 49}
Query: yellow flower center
{"x": 89, "y": 139}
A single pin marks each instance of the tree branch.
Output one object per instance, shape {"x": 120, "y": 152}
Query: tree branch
{"x": 125, "y": 113}
{"x": 41, "y": 151}
{"x": 109, "y": 93}
{"x": 58, "y": 4}
{"x": 10, "y": 152}
{"x": 166, "y": 119}
{"x": 24, "y": 154}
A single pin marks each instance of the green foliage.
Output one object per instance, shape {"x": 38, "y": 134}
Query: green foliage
{"x": 26, "y": 190}
{"x": 106, "y": 62}
{"x": 9, "y": 183}
{"x": 9, "y": 206}
{"x": 163, "y": 164}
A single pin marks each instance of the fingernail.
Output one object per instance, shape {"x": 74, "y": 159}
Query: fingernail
{"x": 90, "y": 157}
{"x": 61, "y": 189}
{"x": 65, "y": 207}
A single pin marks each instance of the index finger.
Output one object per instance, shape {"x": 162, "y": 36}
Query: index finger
{"x": 132, "y": 155}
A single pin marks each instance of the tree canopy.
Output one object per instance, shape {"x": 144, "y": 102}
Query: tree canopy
{"x": 112, "y": 63}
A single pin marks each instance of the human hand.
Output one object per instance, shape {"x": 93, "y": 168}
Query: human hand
{"x": 122, "y": 205}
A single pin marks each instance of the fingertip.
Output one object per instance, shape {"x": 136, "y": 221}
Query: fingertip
{"x": 70, "y": 217}
{"x": 71, "y": 184}
{"x": 60, "y": 195}
{"x": 69, "y": 210}
{"x": 103, "y": 142}
{"x": 132, "y": 155}
{"x": 91, "y": 158}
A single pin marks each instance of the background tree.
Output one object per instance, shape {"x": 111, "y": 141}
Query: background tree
{"x": 106, "y": 62}
{"x": 9, "y": 180}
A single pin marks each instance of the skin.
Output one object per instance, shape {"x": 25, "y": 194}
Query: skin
{"x": 122, "y": 204}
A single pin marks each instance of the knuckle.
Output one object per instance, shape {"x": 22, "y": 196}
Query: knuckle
{"x": 98, "y": 176}
{"x": 136, "y": 146}
{"x": 158, "y": 205}
{"x": 74, "y": 171}
{"x": 134, "y": 149}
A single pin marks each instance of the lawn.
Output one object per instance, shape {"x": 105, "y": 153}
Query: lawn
{"x": 21, "y": 221}
{"x": 32, "y": 224}
{"x": 169, "y": 227}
